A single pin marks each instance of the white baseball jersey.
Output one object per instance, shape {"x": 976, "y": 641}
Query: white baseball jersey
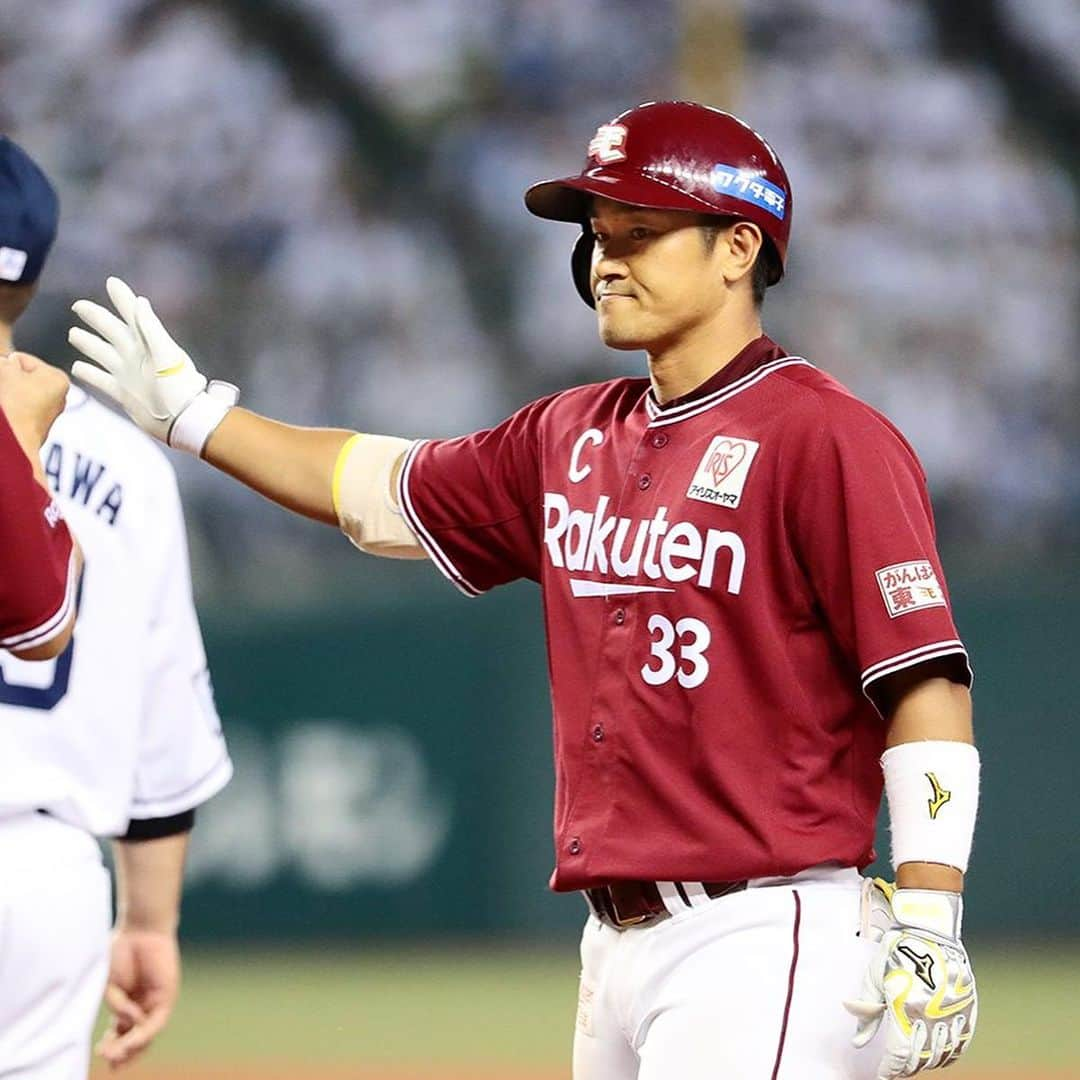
{"x": 123, "y": 724}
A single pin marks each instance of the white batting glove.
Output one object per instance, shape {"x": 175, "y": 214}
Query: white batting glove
{"x": 139, "y": 366}
{"x": 919, "y": 982}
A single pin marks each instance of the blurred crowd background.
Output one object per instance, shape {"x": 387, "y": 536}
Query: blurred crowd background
{"x": 323, "y": 199}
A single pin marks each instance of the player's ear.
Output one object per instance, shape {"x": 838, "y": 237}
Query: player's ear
{"x": 743, "y": 244}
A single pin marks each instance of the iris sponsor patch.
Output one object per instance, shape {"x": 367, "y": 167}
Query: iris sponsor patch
{"x": 722, "y": 472}
{"x": 749, "y": 187}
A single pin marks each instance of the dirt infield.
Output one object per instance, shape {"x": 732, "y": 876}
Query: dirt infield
{"x": 379, "y": 1072}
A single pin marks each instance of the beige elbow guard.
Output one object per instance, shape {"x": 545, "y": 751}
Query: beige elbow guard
{"x": 364, "y": 501}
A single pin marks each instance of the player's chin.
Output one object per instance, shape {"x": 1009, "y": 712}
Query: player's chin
{"x": 620, "y": 333}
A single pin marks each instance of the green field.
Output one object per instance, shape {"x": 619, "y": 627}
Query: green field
{"x": 478, "y": 1011}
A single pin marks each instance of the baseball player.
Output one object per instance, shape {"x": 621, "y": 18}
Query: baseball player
{"x": 116, "y": 737}
{"x": 749, "y": 633}
{"x": 40, "y": 561}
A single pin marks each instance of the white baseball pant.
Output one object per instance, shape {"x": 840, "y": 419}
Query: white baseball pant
{"x": 55, "y": 913}
{"x": 744, "y": 987}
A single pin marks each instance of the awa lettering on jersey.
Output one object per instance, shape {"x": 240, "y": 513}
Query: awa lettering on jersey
{"x": 723, "y": 470}
{"x": 79, "y": 478}
{"x": 664, "y": 551}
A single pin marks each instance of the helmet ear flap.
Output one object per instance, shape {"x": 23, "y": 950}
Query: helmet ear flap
{"x": 581, "y": 266}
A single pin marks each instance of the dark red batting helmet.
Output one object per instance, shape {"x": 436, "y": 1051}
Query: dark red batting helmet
{"x": 673, "y": 155}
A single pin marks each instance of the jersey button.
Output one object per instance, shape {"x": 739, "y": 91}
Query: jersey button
{"x": 659, "y": 440}
{"x": 598, "y": 733}
{"x": 619, "y": 616}
{"x": 574, "y": 847}
{"x": 644, "y": 482}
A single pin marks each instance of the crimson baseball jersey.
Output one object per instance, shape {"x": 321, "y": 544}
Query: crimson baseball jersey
{"x": 37, "y": 578}
{"x": 724, "y": 578}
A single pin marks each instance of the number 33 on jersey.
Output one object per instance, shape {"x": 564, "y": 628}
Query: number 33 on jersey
{"x": 711, "y": 576}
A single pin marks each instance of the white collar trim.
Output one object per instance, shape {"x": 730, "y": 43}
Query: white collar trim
{"x": 661, "y": 417}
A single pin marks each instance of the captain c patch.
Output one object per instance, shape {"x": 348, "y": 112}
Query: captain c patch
{"x": 908, "y": 587}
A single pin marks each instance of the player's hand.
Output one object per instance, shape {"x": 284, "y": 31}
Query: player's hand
{"x": 919, "y": 982}
{"x": 144, "y": 983}
{"x": 139, "y": 366}
{"x": 32, "y": 395}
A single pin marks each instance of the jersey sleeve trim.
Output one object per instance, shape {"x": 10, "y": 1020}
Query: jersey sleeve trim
{"x": 141, "y": 830}
{"x": 934, "y": 651}
{"x": 208, "y": 785}
{"x": 55, "y": 623}
{"x": 427, "y": 541}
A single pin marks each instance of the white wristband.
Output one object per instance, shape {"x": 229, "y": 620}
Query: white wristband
{"x": 933, "y": 793}
{"x": 201, "y": 416}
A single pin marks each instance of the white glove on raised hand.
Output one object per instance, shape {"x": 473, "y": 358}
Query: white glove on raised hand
{"x": 139, "y": 366}
{"x": 919, "y": 982}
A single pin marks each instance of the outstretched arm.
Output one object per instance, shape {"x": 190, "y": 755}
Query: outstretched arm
{"x": 331, "y": 475}
{"x": 293, "y": 466}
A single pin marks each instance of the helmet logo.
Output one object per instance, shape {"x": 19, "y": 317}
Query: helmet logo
{"x": 749, "y": 187}
{"x": 12, "y": 262}
{"x": 607, "y": 144}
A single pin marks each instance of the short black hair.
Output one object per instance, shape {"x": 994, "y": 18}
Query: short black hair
{"x": 766, "y": 268}
{"x": 14, "y": 300}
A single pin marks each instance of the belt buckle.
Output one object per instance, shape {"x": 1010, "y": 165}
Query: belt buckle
{"x": 633, "y": 920}
{"x": 621, "y": 921}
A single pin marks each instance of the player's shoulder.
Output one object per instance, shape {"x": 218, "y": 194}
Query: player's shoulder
{"x": 829, "y": 406}
{"x": 609, "y": 398}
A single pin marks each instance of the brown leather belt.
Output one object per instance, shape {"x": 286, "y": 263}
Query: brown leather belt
{"x": 638, "y": 903}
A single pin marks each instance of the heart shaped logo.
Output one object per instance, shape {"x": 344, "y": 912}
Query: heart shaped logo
{"x": 725, "y": 458}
